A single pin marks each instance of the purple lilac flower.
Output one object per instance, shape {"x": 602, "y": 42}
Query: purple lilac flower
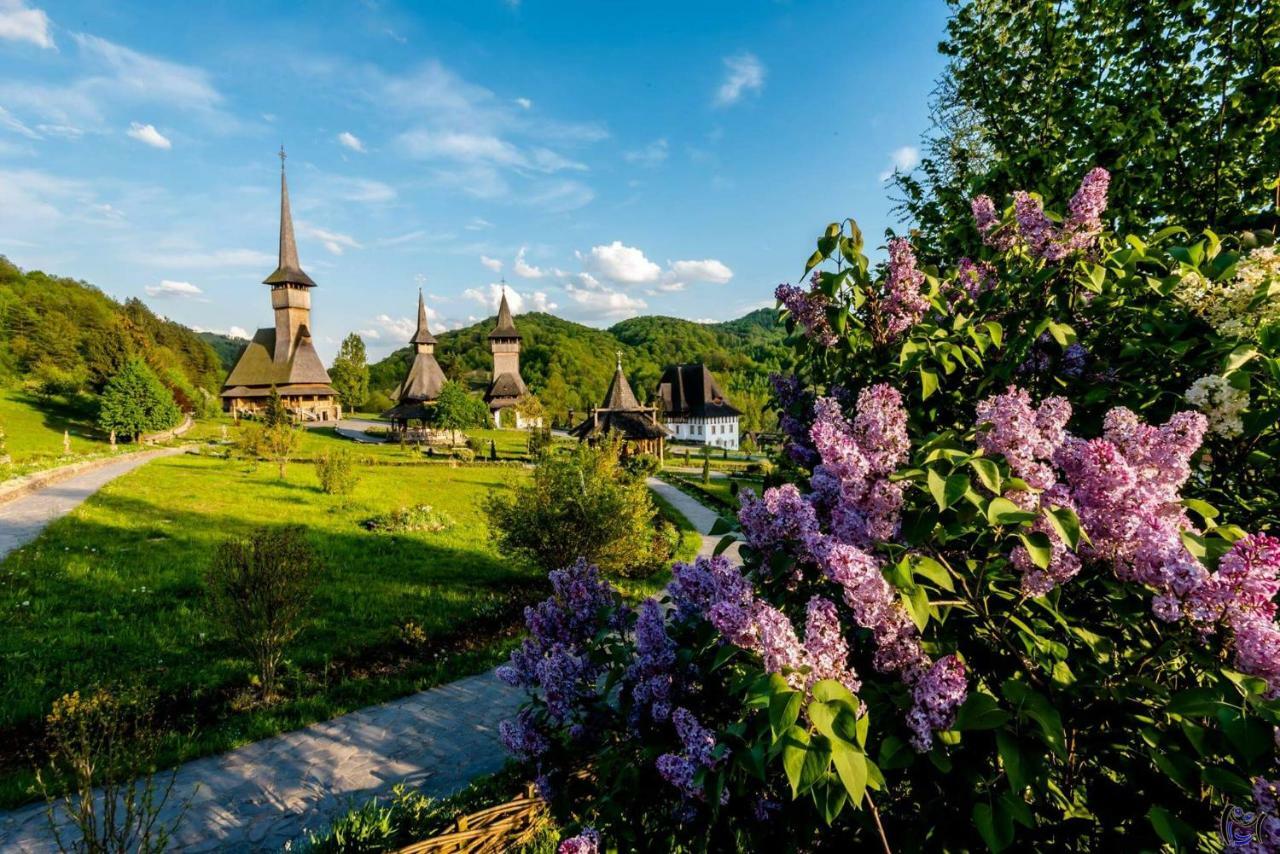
{"x": 1084, "y": 221}
{"x": 1036, "y": 232}
{"x": 1074, "y": 361}
{"x": 651, "y": 674}
{"x": 902, "y": 306}
{"x": 778, "y": 645}
{"x": 826, "y": 651}
{"x": 713, "y": 588}
{"x": 1034, "y": 227}
{"x": 973, "y": 278}
{"x": 793, "y": 397}
{"x": 781, "y": 516}
{"x": 586, "y": 842}
{"x": 988, "y": 222}
{"x": 699, "y": 745}
{"x": 521, "y": 736}
{"x": 809, "y": 308}
{"x": 1025, "y": 436}
{"x": 935, "y": 697}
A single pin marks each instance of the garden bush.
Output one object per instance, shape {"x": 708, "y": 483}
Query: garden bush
{"x": 419, "y": 517}
{"x": 337, "y": 473}
{"x": 259, "y": 590}
{"x": 641, "y": 465}
{"x": 1017, "y": 591}
{"x": 582, "y": 504}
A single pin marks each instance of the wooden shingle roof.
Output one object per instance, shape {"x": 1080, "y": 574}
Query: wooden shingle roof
{"x": 258, "y": 367}
{"x": 691, "y": 391}
{"x": 506, "y": 326}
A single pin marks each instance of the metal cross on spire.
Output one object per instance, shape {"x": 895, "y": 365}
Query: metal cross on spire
{"x": 282, "y": 156}
{"x": 619, "y": 355}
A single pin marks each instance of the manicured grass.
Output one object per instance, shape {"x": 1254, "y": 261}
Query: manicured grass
{"x": 34, "y": 427}
{"x": 636, "y": 589}
{"x": 721, "y": 488}
{"x": 113, "y": 594}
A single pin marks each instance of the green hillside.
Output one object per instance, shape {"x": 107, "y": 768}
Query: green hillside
{"x": 63, "y": 336}
{"x": 569, "y": 365}
{"x": 227, "y": 348}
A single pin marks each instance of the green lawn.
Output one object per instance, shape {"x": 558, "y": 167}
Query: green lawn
{"x": 720, "y": 488}
{"x": 112, "y": 593}
{"x": 33, "y": 428}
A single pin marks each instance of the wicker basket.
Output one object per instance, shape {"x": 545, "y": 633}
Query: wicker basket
{"x": 491, "y": 830}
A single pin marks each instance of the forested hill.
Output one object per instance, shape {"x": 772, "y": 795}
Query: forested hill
{"x": 64, "y": 336}
{"x": 569, "y": 365}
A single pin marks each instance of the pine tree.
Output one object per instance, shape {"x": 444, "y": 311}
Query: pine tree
{"x": 136, "y": 402}
{"x": 274, "y": 412}
{"x": 350, "y": 373}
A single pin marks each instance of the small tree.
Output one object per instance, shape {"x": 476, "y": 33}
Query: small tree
{"x": 136, "y": 402}
{"x": 98, "y": 745}
{"x": 280, "y": 443}
{"x": 493, "y": 450}
{"x": 274, "y": 412}
{"x": 531, "y": 411}
{"x": 580, "y": 505}
{"x": 456, "y": 410}
{"x": 259, "y": 590}
{"x": 706, "y": 464}
{"x": 337, "y": 473}
{"x": 350, "y": 372}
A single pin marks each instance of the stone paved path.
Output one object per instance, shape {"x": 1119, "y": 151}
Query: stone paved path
{"x": 263, "y": 795}
{"x": 702, "y": 517}
{"x": 22, "y": 519}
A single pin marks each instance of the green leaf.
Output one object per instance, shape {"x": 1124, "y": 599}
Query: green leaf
{"x": 933, "y": 571}
{"x": 720, "y": 526}
{"x": 916, "y": 601}
{"x": 918, "y": 525}
{"x": 992, "y": 826}
{"x": 830, "y": 800}
{"x": 795, "y": 746}
{"x": 1195, "y": 702}
{"x": 1172, "y": 830}
{"x": 1227, "y": 782}
{"x": 1038, "y": 547}
{"x": 1203, "y": 509}
{"x": 851, "y": 767}
{"x": 831, "y": 691}
{"x": 1002, "y": 511}
{"x": 725, "y": 541}
{"x": 928, "y": 383}
{"x": 1239, "y": 357}
{"x": 947, "y": 491}
{"x": 823, "y": 715}
{"x": 784, "y": 709}
{"x": 980, "y": 711}
{"x": 995, "y": 331}
{"x": 1066, "y": 524}
{"x": 988, "y": 472}
{"x": 817, "y": 761}
{"x": 1011, "y": 759}
{"x": 1029, "y": 703}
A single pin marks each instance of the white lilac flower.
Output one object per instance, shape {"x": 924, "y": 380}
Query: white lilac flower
{"x": 1221, "y": 402}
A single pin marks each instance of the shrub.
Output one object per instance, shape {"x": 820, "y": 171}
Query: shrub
{"x": 539, "y": 441}
{"x": 476, "y": 445}
{"x": 279, "y": 444}
{"x": 641, "y": 465}
{"x": 102, "y": 750}
{"x": 259, "y": 590}
{"x": 419, "y": 517}
{"x": 337, "y": 472}
{"x": 583, "y": 504}
{"x": 706, "y": 466}
{"x": 464, "y": 455}
{"x": 377, "y": 401}
{"x": 993, "y": 606}
{"x": 493, "y": 450}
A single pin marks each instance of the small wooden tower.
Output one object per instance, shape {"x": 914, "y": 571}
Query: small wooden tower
{"x": 422, "y": 384}
{"x": 621, "y": 413}
{"x": 506, "y": 386}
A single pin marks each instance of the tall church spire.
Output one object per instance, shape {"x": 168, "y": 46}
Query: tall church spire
{"x": 423, "y": 335}
{"x": 289, "y": 271}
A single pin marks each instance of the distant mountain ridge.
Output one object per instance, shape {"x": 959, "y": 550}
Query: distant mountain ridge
{"x": 568, "y": 365}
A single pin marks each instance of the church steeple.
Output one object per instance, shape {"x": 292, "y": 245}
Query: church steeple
{"x": 289, "y": 271}
{"x": 423, "y": 340}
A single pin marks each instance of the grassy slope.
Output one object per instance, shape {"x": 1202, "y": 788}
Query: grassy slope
{"x": 115, "y": 595}
{"x": 33, "y": 429}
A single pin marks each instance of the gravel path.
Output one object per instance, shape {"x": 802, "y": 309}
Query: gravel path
{"x": 22, "y": 519}
{"x": 263, "y": 795}
{"x": 702, "y": 517}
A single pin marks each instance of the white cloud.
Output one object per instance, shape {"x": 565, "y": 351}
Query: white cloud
{"x": 604, "y": 304}
{"x": 706, "y": 270}
{"x": 334, "y": 241}
{"x": 168, "y": 288}
{"x": 491, "y": 296}
{"x": 651, "y": 155}
{"x": 743, "y": 73}
{"x": 351, "y": 141}
{"x": 363, "y": 190}
{"x": 524, "y": 269}
{"x": 22, "y": 24}
{"x": 622, "y": 264}
{"x": 902, "y": 159}
{"x": 493, "y": 264}
{"x": 399, "y": 328}
{"x": 478, "y": 224}
{"x": 238, "y": 332}
{"x": 524, "y": 103}
{"x": 10, "y": 121}
{"x": 369, "y": 333}
{"x": 148, "y": 135}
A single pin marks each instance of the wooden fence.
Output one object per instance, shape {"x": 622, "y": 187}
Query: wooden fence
{"x": 491, "y": 830}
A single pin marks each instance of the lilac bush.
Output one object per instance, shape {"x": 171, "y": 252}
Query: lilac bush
{"x": 995, "y": 602}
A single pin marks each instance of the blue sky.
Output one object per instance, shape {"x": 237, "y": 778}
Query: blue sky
{"x": 608, "y": 159}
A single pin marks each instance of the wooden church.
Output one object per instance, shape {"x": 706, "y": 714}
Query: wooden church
{"x": 283, "y": 357}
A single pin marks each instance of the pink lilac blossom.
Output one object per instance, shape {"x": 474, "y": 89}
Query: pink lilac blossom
{"x": 988, "y": 222}
{"x": 902, "y": 305}
{"x": 715, "y": 589}
{"x": 1036, "y": 232}
{"x": 586, "y": 842}
{"x": 782, "y": 515}
{"x": 651, "y": 673}
{"x": 809, "y": 308}
{"x": 973, "y": 278}
{"x": 778, "y": 645}
{"x": 1034, "y": 227}
{"x": 826, "y": 651}
{"x": 934, "y": 699}
{"x": 1084, "y": 221}
{"x": 1025, "y": 436}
